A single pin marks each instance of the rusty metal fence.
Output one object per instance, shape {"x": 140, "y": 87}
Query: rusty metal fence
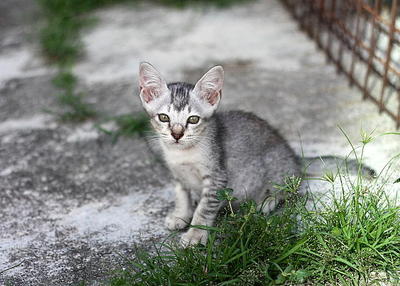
{"x": 362, "y": 38}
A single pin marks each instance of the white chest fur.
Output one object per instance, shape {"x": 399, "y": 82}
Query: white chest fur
{"x": 189, "y": 166}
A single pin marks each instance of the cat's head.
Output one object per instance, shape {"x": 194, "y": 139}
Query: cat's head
{"x": 179, "y": 111}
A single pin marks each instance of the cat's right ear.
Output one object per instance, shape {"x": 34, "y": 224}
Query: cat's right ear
{"x": 153, "y": 88}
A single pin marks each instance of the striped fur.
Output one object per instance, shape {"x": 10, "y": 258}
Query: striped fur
{"x": 224, "y": 149}
{"x": 180, "y": 93}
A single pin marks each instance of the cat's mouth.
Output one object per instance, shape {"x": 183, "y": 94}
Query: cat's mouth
{"x": 174, "y": 142}
{"x": 179, "y": 143}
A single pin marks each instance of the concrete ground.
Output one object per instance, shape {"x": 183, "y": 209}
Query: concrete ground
{"x": 72, "y": 204}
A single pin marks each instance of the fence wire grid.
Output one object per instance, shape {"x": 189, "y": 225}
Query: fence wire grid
{"x": 362, "y": 38}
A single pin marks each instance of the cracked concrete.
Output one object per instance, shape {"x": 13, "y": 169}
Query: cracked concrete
{"x": 71, "y": 201}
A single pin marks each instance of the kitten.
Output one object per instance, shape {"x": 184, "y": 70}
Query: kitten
{"x": 207, "y": 151}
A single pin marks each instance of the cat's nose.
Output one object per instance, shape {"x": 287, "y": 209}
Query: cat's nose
{"x": 177, "y": 136}
{"x": 177, "y": 131}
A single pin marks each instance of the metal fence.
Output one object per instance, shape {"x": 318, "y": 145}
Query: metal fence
{"x": 362, "y": 38}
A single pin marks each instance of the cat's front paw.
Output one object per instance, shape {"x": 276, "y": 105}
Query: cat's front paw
{"x": 176, "y": 222}
{"x": 194, "y": 236}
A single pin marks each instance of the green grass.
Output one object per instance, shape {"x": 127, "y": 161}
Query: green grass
{"x": 244, "y": 248}
{"x": 75, "y": 109}
{"x": 355, "y": 236}
{"x": 354, "y": 240}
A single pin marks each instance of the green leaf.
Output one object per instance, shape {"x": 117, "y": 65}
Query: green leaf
{"x": 292, "y": 250}
{"x": 224, "y": 194}
{"x": 336, "y": 231}
{"x": 344, "y": 261}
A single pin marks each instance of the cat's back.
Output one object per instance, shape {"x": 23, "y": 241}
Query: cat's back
{"x": 254, "y": 151}
{"x": 244, "y": 131}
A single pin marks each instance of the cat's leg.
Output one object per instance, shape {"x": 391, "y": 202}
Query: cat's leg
{"x": 180, "y": 217}
{"x": 269, "y": 204}
{"x": 205, "y": 214}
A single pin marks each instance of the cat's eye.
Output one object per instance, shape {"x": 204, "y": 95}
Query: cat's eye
{"x": 193, "y": 119}
{"x": 163, "y": 117}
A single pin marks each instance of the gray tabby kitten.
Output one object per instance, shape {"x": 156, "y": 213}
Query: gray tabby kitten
{"x": 208, "y": 151}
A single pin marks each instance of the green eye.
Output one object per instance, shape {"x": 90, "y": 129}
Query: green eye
{"x": 163, "y": 117}
{"x": 193, "y": 119}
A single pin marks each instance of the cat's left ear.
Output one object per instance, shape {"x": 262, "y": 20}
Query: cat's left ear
{"x": 209, "y": 88}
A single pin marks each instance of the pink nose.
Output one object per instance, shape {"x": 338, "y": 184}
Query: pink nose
{"x": 177, "y": 136}
{"x": 177, "y": 131}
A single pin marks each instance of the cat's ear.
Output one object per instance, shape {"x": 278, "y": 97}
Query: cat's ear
{"x": 152, "y": 86}
{"x": 209, "y": 87}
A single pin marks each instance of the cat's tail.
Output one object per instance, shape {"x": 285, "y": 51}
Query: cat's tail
{"x": 325, "y": 165}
